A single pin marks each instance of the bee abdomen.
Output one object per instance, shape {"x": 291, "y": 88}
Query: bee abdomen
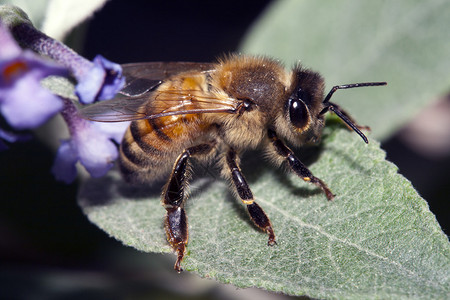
{"x": 148, "y": 150}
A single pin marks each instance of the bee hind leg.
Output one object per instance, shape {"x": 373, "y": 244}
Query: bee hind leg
{"x": 257, "y": 214}
{"x": 173, "y": 201}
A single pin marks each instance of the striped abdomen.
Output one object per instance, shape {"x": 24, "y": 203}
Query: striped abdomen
{"x": 151, "y": 146}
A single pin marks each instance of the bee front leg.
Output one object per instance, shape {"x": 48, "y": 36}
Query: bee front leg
{"x": 257, "y": 215}
{"x": 173, "y": 201}
{"x": 296, "y": 165}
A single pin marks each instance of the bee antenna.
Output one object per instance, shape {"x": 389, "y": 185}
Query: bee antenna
{"x": 347, "y": 121}
{"x": 341, "y": 114}
{"x": 349, "y": 86}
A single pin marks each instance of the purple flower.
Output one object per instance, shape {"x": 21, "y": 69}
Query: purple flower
{"x": 23, "y": 101}
{"x": 97, "y": 80}
{"x": 90, "y": 144}
{"x": 11, "y": 138}
{"x": 102, "y": 81}
{"x": 25, "y": 104}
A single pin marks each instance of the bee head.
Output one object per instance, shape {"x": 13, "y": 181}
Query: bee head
{"x": 306, "y": 106}
{"x": 303, "y": 106}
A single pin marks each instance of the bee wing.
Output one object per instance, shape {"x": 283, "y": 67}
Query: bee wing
{"x": 143, "y": 77}
{"x": 157, "y": 104}
{"x": 163, "y": 70}
{"x": 138, "y": 99}
{"x": 119, "y": 109}
{"x": 182, "y": 102}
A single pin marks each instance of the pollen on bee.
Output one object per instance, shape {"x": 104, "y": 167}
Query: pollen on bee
{"x": 306, "y": 178}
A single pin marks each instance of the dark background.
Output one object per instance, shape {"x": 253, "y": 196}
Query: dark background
{"x": 48, "y": 248}
{"x": 170, "y": 31}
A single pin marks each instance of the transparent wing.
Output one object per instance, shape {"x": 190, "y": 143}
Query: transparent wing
{"x": 162, "y": 70}
{"x": 156, "y": 104}
{"x": 119, "y": 109}
{"x": 143, "y": 77}
{"x": 139, "y": 99}
{"x": 181, "y": 102}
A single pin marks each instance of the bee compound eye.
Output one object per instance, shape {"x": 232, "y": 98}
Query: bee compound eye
{"x": 304, "y": 96}
{"x": 298, "y": 113}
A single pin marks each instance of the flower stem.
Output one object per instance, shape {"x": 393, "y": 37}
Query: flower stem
{"x": 39, "y": 42}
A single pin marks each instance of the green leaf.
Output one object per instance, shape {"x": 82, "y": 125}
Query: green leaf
{"x": 60, "y": 86}
{"x": 377, "y": 239}
{"x": 406, "y": 43}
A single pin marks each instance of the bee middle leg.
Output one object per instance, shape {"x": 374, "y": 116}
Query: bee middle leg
{"x": 257, "y": 214}
{"x": 173, "y": 201}
{"x": 296, "y": 165}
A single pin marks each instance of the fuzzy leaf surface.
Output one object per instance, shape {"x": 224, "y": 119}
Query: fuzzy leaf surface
{"x": 377, "y": 239}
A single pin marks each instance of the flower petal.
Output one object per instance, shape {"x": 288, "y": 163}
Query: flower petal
{"x": 89, "y": 143}
{"x": 98, "y": 156}
{"x": 27, "y": 104}
{"x": 41, "y": 67}
{"x": 23, "y": 101}
{"x": 113, "y": 130}
{"x": 11, "y": 138}
{"x": 64, "y": 166}
{"x": 113, "y": 82}
{"x": 101, "y": 82}
{"x": 88, "y": 87}
{"x": 95, "y": 150}
{"x": 9, "y": 46}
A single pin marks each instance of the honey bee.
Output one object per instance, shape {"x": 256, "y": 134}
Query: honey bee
{"x": 185, "y": 110}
